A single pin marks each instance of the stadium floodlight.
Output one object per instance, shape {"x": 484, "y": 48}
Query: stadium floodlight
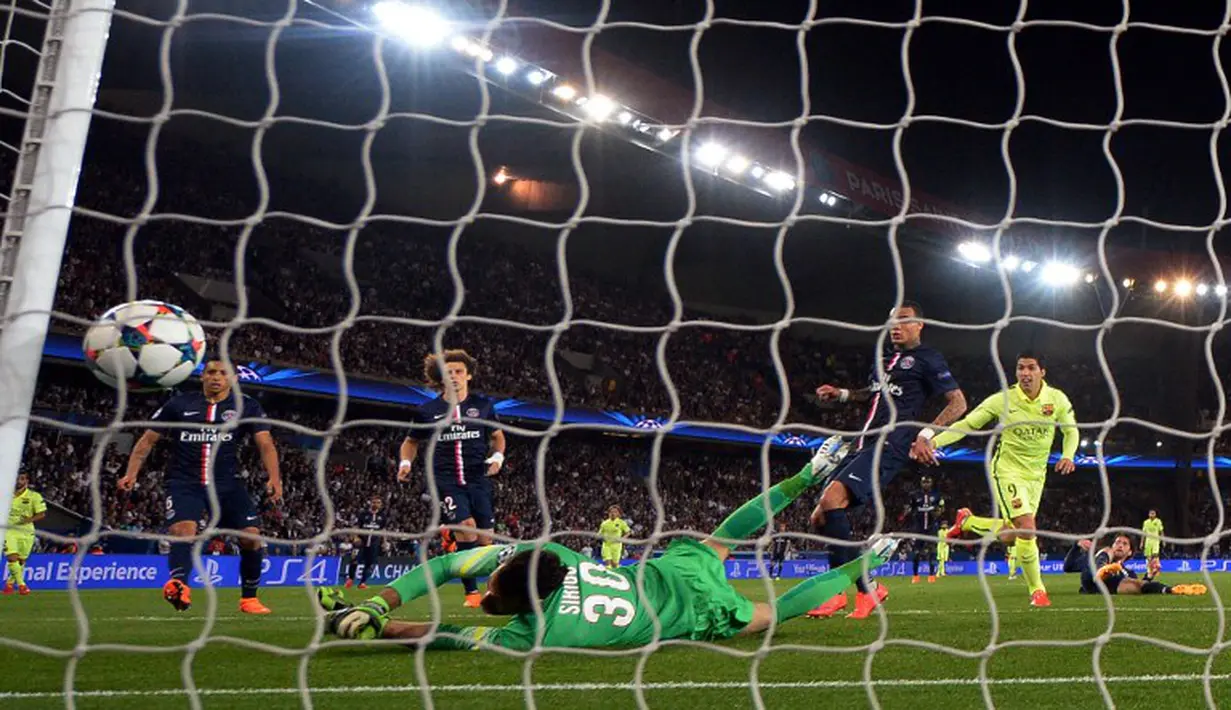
{"x": 417, "y": 25}
{"x": 1090, "y": 277}
{"x": 737, "y": 164}
{"x": 974, "y": 252}
{"x": 829, "y": 199}
{"x": 1085, "y": 442}
{"x": 1220, "y": 290}
{"x": 1183, "y": 288}
{"x": 1160, "y": 286}
{"x": 624, "y": 117}
{"x": 599, "y": 107}
{"x": 501, "y": 176}
{"x": 666, "y": 134}
{"x": 1158, "y": 444}
{"x": 758, "y": 172}
{"x": 1058, "y": 273}
{"x": 1202, "y": 289}
{"x": 780, "y": 181}
{"x": 711, "y": 154}
{"x": 506, "y": 65}
{"x": 536, "y": 77}
{"x": 1129, "y": 283}
{"x": 564, "y": 92}
{"x": 1028, "y": 266}
{"x": 1010, "y": 262}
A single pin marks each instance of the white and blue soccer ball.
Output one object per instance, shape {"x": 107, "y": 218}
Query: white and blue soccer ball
{"x": 144, "y": 346}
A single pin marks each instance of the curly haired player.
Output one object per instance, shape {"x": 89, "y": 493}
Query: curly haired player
{"x": 1109, "y": 568}
{"x": 469, "y": 450}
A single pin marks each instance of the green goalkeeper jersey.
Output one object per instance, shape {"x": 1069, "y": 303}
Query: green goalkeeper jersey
{"x": 595, "y": 607}
{"x": 1152, "y": 528}
{"x": 1029, "y": 430}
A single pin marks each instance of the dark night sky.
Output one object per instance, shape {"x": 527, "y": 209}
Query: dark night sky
{"x": 855, "y": 74}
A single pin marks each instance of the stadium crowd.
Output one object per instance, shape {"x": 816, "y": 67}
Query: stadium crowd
{"x": 402, "y": 272}
{"x": 696, "y": 486}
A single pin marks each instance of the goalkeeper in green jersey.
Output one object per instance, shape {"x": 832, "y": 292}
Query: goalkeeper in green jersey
{"x": 684, "y": 594}
{"x": 1030, "y": 412}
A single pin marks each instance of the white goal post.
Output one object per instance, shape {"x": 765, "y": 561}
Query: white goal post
{"x": 61, "y": 103}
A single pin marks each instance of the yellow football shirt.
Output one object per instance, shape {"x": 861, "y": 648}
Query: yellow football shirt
{"x": 1029, "y": 429}
{"x": 25, "y": 506}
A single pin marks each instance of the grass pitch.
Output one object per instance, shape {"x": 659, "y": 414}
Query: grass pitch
{"x": 1153, "y": 653}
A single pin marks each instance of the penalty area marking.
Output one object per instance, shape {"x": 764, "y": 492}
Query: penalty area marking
{"x": 607, "y": 687}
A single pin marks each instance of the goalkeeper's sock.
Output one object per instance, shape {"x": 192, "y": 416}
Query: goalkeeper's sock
{"x": 751, "y": 516}
{"x": 1012, "y": 559}
{"x": 812, "y": 592}
{"x": 179, "y": 560}
{"x": 17, "y": 572}
{"x": 250, "y": 571}
{"x": 469, "y": 583}
{"x": 977, "y": 525}
{"x": 1028, "y": 558}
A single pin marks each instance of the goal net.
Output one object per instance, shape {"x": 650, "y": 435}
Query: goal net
{"x": 659, "y": 229}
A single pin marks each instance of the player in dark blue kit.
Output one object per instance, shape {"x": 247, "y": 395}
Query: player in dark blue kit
{"x": 206, "y": 453}
{"x": 925, "y": 510}
{"x": 914, "y": 374}
{"x": 1118, "y": 579}
{"x": 373, "y": 519}
{"x": 468, "y": 450}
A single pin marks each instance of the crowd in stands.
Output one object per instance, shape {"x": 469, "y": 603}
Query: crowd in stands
{"x": 402, "y": 272}
{"x": 692, "y": 488}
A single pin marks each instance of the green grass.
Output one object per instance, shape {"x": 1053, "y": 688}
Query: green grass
{"x": 806, "y": 663}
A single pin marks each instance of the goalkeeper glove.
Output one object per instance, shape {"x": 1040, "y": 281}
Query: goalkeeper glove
{"x": 363, "y": 622}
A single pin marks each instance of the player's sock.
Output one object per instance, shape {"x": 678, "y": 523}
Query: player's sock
{"x": 812, "y": 592}
{"x": 250, "y": 571}
{"x": 977, "y": 525}
{"x": 915, "y": 560}
{"x": 838, "y": 526}
{"x": 750, "y": 517}
{"x": 1013, "y": 561}
{"x": 179, "y": 560}
{"x": 1155, "y": 588}
{"x": 1028, "y": 558}
{"x": 17, "y": 571}
{"x": 469, "y": 583}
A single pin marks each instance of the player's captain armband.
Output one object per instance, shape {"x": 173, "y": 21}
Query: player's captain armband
{"x": 844, "y": 395}
{"x": 497, "y": 457}
{"x": 927, "y": 433}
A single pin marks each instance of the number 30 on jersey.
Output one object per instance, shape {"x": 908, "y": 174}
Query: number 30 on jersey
{"x": 596, "y": 606}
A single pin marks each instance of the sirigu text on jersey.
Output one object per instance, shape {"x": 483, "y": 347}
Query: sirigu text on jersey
{"x": 570, "y": 595}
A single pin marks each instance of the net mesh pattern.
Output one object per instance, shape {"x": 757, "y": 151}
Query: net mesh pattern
{"x": 17, "y": 63}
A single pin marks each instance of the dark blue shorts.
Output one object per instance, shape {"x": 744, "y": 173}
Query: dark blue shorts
{"x": 855, "y": 472}
{"x": 461, "y": 502}
{"x": 190, "y": 501}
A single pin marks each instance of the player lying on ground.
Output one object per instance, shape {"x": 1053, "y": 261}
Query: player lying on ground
{"x": 203, "y": 454}
{"x": 586, "y": 605}
{"x": 1031, "y": 412}
{"x": 1109, "y": 567}
{"x": 28, "y": 508}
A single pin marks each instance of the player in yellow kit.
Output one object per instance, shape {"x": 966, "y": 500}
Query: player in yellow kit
{"x": 1153, "y": 529}
{"x": 1030, "y": 412}
{"x": 942, "y": 549}
{"x": 611, "y": 530}
{"x": 28, "y": 508}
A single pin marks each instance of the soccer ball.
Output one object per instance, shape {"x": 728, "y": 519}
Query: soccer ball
{"x": 147, "y": 345}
